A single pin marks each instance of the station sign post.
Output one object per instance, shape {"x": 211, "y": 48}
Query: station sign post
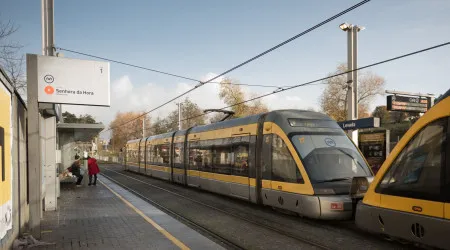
{"x": 73, "y": 81}
{"x": 370, "y": 122}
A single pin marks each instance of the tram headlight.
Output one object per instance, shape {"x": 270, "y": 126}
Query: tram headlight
{"x": 359, "y": 186}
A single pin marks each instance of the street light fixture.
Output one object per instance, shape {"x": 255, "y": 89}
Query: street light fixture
{"x": 345, "y": 26}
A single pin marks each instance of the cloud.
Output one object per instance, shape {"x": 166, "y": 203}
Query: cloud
{"x": 122, "y": 87}
{"x": 293, "y": 98}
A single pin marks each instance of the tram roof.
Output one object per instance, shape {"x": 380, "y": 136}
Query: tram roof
{"x": 442, "y": 97}
{"x": 280, "y": 117}
{"x": 277, "y": 116}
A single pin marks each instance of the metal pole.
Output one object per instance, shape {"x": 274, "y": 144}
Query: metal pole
{"x": 350, "y": 96}
{"x": 143, "y": 127}
{"x": 355, "y": 80}
{"x": 179, "y": 117}
{"x": 48, "y": 34}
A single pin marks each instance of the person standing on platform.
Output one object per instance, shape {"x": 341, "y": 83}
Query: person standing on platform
{"x": 76, "y": 171}
{"x": 93, "y": 170}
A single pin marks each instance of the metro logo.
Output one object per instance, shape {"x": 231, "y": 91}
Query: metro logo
{"x": 49, "y": 90}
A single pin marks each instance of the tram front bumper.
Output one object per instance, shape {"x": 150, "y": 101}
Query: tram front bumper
{"x": 336, "y": 207}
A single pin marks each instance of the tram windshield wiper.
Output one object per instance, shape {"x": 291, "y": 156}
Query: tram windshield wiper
{"x": 335, "y": 179}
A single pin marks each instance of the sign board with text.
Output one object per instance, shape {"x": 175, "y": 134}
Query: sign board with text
{"x": 408, "y": 103}
{"x": 370, "y": 122}
{"x": 73, "y": 81}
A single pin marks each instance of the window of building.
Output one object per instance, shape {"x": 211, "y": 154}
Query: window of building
{"x": 417, "y": 170}
{"x": 284, "y": 167}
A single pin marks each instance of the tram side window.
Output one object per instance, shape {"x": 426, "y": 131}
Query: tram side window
{"x": 222, "y": 159}
{"x": 161, "y": 154}
{"x": 193, "y": 160}
{"x": 165, "y": 153}
{"x": 417, "y": 170}
{"x": 129, "y": 157}
{"x": 206, "y": 159}
{"x": 284, "y": 167}
{"x": 178, "y": 155}
{"x": 149, "y": 154}
{"x": 240, "y": 166}
{"x": 266, "y": 157}
{"x": 141, "y": 154}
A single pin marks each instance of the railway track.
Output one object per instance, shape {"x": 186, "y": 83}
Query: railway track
{"x": 229, "y": 243}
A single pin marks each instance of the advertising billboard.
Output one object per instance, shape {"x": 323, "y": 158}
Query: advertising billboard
{"x": 73, "y": 81}
{"x": 373, "y": 146}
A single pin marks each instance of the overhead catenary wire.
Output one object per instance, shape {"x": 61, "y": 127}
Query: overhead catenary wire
{"x": 329, "y": 77}
{"x": 237, "y": 66}
{"x": 127, "y": 64}
{"x": 162, "y": 72}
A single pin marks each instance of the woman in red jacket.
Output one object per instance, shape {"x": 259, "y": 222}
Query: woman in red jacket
{"x": 93, "y": 170}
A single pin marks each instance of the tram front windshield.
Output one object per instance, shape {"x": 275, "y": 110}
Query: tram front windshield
{"x": 328, "y": 154}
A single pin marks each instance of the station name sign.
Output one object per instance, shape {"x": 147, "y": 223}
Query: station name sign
{"x": 408, "y": 104}
{"x": 370, "y": 122}
{"x": 73, "y": 81}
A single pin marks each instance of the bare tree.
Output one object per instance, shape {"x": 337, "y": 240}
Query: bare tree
{"x": 192, "y": 115}
{"x": 124, "y": 130}
{"x": 333, "y": 100}
{"x": 10, "y": 59}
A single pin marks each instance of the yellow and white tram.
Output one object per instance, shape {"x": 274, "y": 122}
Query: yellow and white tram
{"x": 410, "y": 195}
{"x": 300, "y": 161}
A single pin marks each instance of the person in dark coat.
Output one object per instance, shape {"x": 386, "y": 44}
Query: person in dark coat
{"x": 93, "y": 170}
{"x": 75, "y": 169}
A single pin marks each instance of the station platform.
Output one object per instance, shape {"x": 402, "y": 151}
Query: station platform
{"x": 106, "y": 216}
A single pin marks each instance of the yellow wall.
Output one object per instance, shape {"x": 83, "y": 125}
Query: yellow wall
{"x": 5, "y": 122}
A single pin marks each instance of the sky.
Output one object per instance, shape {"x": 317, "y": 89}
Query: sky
{"x": 201, "y": 39}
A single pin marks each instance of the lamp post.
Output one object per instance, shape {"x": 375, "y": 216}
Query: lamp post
{"x": 352, "y": 76}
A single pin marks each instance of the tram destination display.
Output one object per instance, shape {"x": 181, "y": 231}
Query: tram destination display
{"x": 408, "y": 103}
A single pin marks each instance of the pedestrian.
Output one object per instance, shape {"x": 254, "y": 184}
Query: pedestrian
{"x": 75, "y": 169}
{"x": 93, "y": 170}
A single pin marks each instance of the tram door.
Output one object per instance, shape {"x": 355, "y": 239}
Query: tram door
{"x": 240, "y": 185}
{"x": 141, "y": 155}
{"x": 194, "y": 160}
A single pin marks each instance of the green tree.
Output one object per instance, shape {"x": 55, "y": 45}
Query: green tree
{"x": 382, "y": 113}
{"x": 72, "y": 118}
{"x": 69, "y": 117}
